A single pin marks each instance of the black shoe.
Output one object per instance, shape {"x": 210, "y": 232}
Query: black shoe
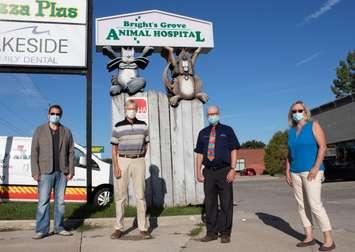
{"x": 225, "y": 239}
{"x": 209, "y": 237}
{"x": 303, "y": 244}
{"x": 324, "y": 248}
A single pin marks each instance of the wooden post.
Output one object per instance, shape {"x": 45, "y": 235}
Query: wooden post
{"x": 173, "y": 134}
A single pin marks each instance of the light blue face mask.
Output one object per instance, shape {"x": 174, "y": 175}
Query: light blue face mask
{"x": 297, "y": 116}
{"x": 213, "y": 119}
{"x": 55, "y": 119}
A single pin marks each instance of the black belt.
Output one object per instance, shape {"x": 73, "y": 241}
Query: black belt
{"x": 215, "y": 168}
{"x": 131, "y": 156}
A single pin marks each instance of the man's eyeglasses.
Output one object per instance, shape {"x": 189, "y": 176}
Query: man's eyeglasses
{"x": 57, "y": 114}
{"x": 297, "y": 110}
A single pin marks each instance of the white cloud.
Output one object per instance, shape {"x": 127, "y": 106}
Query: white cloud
{"x": 308, "y": 59}
{"x": 327, "y": 6}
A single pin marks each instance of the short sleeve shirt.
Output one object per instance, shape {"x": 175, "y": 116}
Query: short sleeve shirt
{"x": 131, "y": 138}
{"x": 226, "y": 141}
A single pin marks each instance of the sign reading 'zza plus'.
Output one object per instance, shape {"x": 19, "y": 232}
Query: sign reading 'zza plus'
{"x": 153, "y": 28}
{"x": 43, "y": 33}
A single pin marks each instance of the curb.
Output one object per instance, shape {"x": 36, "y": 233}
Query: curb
{"x": 15, "y": 225}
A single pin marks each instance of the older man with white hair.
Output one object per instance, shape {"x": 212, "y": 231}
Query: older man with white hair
{"x": 130, "y": 139}
{"x": 216, "y": 150}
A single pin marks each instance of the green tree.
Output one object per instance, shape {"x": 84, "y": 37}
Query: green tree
{"x": 344, "y": 84}
{"x": 276, "y": 153}
{"x": 253, "y": 144}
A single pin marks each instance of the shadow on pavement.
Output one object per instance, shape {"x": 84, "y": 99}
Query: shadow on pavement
{"x": 280, "y": 224}
{"x": 155, "y": 190}
{"x": 77, "y": 218}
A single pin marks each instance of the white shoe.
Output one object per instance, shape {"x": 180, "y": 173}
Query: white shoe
{"x": 38, "y": 236}
{"x": 64, "y": 233}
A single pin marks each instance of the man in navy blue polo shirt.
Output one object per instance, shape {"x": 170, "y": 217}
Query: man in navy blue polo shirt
{"x": 216, "y": 150}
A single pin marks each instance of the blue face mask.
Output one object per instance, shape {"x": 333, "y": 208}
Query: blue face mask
{"x": 213, "y": 119}
{"x": 55, "y": 119}
{"x": 297, "y": 116}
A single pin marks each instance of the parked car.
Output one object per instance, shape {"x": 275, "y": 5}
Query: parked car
{"x": 338, "y": 170}
{"x": 339, "y": 161}
{"x": 248, "y": 172}
{"x": 17, "y": 184}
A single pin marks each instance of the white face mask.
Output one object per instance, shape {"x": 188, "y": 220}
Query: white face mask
{"x": 131, "y": 113}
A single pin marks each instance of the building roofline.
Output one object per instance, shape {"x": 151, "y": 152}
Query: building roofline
{"x": 333, "y": 104}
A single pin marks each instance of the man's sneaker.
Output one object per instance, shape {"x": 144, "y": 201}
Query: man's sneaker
{"x": 209, "y": 237}
{"x": 116, "y": 234}
{"x": 225, "y": 239}
{"x": 145, "y": 234}
{"x": 64, "y": 233}
{"x": 38, "y": 236}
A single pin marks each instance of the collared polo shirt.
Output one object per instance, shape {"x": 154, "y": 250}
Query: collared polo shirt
{"x": 226, "y": 141}
{"x": 130, "y": 137}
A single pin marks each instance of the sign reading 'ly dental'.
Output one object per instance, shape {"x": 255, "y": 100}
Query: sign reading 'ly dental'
{"x": 43, "y": 33}
{"x": 153, "y": 28}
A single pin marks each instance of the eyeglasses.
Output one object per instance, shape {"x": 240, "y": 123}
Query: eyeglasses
{"x": 297, "y": 110}
{"x": 57, "y": 114}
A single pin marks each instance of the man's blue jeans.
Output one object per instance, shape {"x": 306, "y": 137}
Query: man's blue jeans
{"x": 58, "y": 181}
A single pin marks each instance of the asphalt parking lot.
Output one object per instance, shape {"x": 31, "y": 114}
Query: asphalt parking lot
{"x": 265, "y": 219}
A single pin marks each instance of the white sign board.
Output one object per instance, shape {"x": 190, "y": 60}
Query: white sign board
{"x": 153, "y": 28}
{"x": 43, "y": 33}
{"x": 41, "y": 44}
{"x": 60, "y": 11}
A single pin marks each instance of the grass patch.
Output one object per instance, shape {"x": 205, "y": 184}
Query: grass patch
{"x": 196, "y": 230}
{"x": 27, "y": 211}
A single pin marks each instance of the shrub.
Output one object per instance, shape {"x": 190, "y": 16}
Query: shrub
{"x": 276, "y": 153}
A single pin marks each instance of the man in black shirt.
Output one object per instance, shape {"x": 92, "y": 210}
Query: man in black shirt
{"x": 52, "y": 166}
{"x": 216, "y": 150}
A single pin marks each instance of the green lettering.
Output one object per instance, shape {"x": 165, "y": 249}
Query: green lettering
{"x": 61, "y": 12}
{"x": 14, "y": 9}
{"x": 72, "y": 12}
{"x": 3, "y": 8}
{"x": 42, "y": 5}
{"x": 112, "y": 35}
{"x": 133, "y": 33}
{"x": 25, "y": 10}
{"x": 53, "y": 14}
{"x": 198, "y": 37}
{"x": 122, "y": 32}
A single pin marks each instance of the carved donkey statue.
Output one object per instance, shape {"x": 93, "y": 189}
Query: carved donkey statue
{"x": 184, "y": 83}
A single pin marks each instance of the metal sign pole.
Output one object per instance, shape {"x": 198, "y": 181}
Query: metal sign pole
{"x": 89, "y": 105}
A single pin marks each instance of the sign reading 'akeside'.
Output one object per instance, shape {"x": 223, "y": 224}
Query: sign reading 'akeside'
{"x": 37, "y": 40}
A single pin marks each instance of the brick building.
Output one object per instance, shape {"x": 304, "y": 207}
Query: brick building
{"x": 251, "y": 158}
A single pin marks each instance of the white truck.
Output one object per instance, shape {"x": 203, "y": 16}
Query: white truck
{"x": 17, "y": 184}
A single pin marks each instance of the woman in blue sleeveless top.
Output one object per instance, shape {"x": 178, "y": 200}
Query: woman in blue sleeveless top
{"x": 304, "y": 172}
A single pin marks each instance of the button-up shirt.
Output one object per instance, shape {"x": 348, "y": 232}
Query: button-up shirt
{"x": 226, "y": 141}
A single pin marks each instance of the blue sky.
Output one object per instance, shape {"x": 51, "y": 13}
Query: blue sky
{"x": 267, "y": 54}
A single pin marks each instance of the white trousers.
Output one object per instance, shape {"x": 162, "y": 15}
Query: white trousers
{"x": 308, "y": 196}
